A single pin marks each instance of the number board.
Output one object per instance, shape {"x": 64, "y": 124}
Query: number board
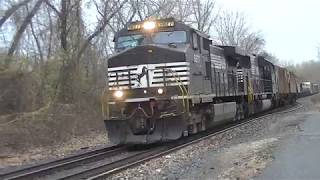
{"x": 159, "y": 24}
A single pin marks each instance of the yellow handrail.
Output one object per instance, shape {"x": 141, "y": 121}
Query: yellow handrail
{"x": 183, "y": 90}
{"x": 250, "y": 92}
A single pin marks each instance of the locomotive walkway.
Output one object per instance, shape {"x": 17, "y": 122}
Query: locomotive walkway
{"x": 298, "y": 157}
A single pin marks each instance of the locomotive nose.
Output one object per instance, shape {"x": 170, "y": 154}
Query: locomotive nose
{"x": 148, "y": 76}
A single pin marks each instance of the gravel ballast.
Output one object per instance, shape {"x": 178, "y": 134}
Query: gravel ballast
{"x": 73, "y": 146}
{"x": 240, "y": 153}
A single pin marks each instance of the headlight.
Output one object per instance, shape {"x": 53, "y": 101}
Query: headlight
{"x": 149, "y": 25}
{"x": 118, "y": 94}
{"x": 160, "y": 91}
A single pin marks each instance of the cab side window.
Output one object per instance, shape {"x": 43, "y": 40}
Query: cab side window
{"x": 206, "y": 44}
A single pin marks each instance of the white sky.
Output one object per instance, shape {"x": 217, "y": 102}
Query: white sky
{"x": 290, "y": 27}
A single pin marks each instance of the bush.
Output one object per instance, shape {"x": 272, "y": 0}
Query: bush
{"x": 30, "y": 115}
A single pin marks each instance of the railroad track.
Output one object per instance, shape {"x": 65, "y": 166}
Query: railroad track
{"x": 107, "y": 168}
{"x": 62, "y": 164}
{"x": 105, "y": 171}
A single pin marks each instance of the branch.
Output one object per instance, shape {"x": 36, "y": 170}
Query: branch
{"x": 23, "y": 27}
{"x": 53, "y": 8}
{"x": 99, "y": 30}
{"x": 12, "y": 10}
{"x": 37, "y": 43}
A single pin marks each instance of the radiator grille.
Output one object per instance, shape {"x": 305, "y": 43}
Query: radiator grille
{"x": 148, "y": 75}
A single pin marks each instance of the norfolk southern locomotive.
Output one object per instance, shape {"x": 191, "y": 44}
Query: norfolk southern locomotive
{"x": 167, "y": 80}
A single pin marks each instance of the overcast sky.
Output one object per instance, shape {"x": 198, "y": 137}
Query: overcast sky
{"x": 290, "y": 27}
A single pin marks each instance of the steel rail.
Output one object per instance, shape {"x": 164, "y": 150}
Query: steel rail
{"x": 65, "y": 163}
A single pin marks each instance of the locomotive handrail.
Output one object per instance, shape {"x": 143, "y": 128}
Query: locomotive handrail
{"x": 182, "y": 89}
{"x": 250, "y": 91}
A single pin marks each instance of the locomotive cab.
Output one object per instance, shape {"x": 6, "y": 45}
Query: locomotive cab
{"x": 148, "y": 82}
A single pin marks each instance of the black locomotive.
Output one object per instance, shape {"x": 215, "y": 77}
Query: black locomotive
{"x": 167, "y": 80}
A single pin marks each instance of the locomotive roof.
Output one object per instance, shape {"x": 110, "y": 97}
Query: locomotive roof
{"x": 238, "y": 55}
{"x": 232, "y": 51}
{"x": 263, "y": 61}
{"x": 178, "y": 26}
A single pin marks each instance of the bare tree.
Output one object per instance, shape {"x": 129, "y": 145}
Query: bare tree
{"x": 270, "y": 57}
{"x": 253, "y": 42}
{"x": 308, "y": 70}
{"x": 106, "y": 17}
{"x": 22, "y": 28}
{"x": 182, "y": 11}
{"x": 75, "y": 39}
{"x": 205, "y": 14}
{"x": 35, "y": 36}
{"x": 232, "y": 29}
{"x": 57, "y": 30}
{"x": 12, "y": 10}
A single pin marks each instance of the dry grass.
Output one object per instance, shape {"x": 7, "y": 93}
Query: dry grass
{"x": 54, "y": 151}
{"x": 50, "y": 125}
{"x": 30, "y": 123}
{"x": 26, "y": 121}
{"x": 315, "y": 99}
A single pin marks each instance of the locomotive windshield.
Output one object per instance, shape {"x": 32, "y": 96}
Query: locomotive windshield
{"x": 170, "y": 37}
{"x": 130, "y": 41}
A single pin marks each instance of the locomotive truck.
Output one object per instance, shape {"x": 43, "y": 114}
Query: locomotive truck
{"x": 167, "y": 80}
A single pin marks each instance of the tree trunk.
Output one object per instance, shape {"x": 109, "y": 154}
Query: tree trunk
{"x": 99, "y": 30}
{"x": 38, "y": 44}
{"x": 51, "y": 34}
{"x": 21, "y": 30}
{"x": 63, "y": 25}
{"x": 12, "y": 10}
{"x": 66, "y": 88}
{"x": 69, "y": 72}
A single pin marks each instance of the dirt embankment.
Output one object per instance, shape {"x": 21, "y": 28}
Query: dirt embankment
{"x": 315, "y": 99}
{"x": 49, "y": 125}
{"x": 31, "y": 129}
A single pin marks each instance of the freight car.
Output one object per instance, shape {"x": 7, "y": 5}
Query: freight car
{"x": 309, "y": 88}
{"x": 315, "y": 88}
{"x": 167, "y": 80}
